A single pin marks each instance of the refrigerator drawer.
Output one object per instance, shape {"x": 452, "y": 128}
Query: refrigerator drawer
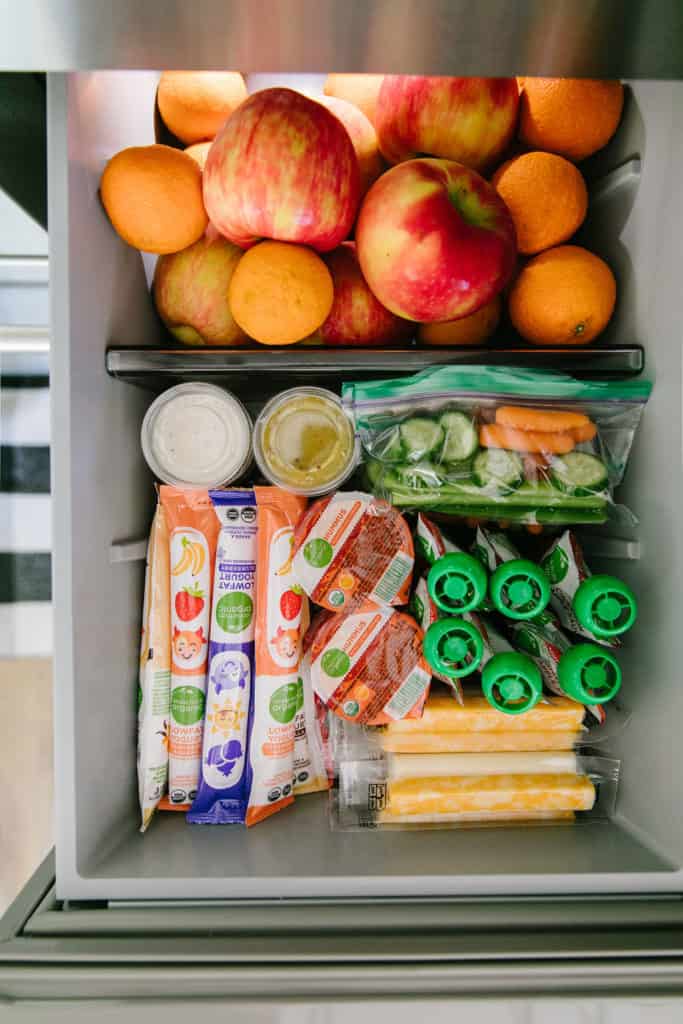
{"x": 258, "y": 953}
{"x": 103, "y": 500}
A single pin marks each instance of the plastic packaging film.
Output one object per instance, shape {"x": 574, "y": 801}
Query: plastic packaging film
{"x": 155, "y": 673}
{"x": 526, "y": 445}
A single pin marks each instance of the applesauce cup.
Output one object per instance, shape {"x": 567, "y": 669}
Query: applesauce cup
{"x": 304, "y": 441}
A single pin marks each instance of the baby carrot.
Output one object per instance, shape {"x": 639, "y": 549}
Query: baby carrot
{"x": 545, "y": 420}
{"x": 585, "y": 433}
{"x": 494, "y": 435}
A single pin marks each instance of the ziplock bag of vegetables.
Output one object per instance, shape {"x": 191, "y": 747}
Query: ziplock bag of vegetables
{"x": 519, "y": 444}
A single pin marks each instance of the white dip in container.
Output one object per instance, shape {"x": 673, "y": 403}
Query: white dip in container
{"x": 197, "y": 435}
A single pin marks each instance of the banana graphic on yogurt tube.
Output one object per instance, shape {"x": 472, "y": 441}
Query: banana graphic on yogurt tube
{"x": 193, "y": 558}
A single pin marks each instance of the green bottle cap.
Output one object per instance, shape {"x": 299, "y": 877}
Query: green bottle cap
{"x": 453, "y": 647}
{"x": 589, "y": 674}
{"x": 512, "y": 683}
{"x": 605, "y": 606}
{"x": 520, "y": 589}
{"x": 457, "y": 583}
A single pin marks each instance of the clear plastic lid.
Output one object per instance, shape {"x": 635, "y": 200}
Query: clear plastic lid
{"x": 197, "y": 436}
{"x": 304, "y": 441}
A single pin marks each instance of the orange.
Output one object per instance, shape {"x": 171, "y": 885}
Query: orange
{"x": 280, "y": 292}
{"x": 199, "y": 152}
{"x": 361, "y": 90}
{"x": 468, "y": 330}
{"x": 563, "y": 296}
{"x": 546, "y": 196}
{"x": 153, "y": 197}
{"x": 194, "y": 104}
{"x": 570, "y": 116}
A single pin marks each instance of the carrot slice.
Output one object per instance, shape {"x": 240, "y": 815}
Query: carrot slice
{"x": 545, "y": 420}
{"x": 584, "y": 433}
{"x": 493, "y": 435}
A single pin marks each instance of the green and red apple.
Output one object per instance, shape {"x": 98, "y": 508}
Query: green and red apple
{"x": 470, "y": 120}
{"x": 283, "y": 167}
{"x": 364, "y": 139}
{"x": 434, "y": 240}
{"x": 191, "y": 292}
{"x": 357, "y": 317}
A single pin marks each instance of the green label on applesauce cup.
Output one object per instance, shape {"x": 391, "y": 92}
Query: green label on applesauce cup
{"x": 318, "y": 552}
{"x": 335, "y": 663}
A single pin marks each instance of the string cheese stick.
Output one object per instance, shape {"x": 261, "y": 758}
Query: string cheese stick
{"x": 488, "y": 817}
{"x": 425, "y": 766}
{"x": 476, "y": 742}
{"x": 499, "y": 793}
{"x": 443, "y": 714}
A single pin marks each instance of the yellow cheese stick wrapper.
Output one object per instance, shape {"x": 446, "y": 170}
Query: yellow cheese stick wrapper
{"x": 425, "y": 766}
{"x": 443, "y": 714}
{"x": 481, "y": 817}
{"x": 476, "y": 742}
{"x": 491, "y": 793}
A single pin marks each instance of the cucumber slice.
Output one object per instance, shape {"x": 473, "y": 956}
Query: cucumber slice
{"x": 419, "y": 477}
{"x": 579, "y": 473}
{"x": 420, "y": 437}
{"x": 461, "y": 438}
{"x": 497, "y": 468}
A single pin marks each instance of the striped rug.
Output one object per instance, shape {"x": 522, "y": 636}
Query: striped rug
{"x": 25, "y": 522}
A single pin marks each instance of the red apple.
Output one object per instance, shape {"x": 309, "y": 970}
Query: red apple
{"x": 364, "y": 139}
{"x": 470, "y": 120}
{"x": 434, "y": 240}
{"x": 357, "y": 317}
{"x": 191, "y": 292}
{"x": 283, "y": 167}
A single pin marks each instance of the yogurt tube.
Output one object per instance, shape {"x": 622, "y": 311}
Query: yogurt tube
{"x": 225, "y": 772}
{"x": 193, "y": 531}
{"x": 281, "y": 617}
{"x": 197, "y": 436}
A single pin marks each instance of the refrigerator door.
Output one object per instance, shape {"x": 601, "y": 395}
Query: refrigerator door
{"x": 610, "y": 39}
{"x": 244, "y": 953}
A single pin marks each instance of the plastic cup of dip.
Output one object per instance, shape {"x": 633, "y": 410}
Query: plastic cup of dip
{"x": 197, "y": 436}
{"x": 304, "y": 441}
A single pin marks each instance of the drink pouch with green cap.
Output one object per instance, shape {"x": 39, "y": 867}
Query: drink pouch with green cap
{"x": 511, "y": 681}
{"x": 584, "y": 672}
{"x": 598, "y": 607}
{"x": 426, "y": 614}
{"x": 518, "y": 588}
{"x": 431, "y": 541}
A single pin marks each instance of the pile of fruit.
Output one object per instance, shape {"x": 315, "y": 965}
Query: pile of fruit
{"x": 280, "y": 222}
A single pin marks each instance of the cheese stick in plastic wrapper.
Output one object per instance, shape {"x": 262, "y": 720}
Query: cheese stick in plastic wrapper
{"x": 193, "y": 531}
{"x": 225, "y": 775}
{"x": 444, "y": 715}
{"x": 511, "y": 794}
{"x": 280, "y": 619}
{"x": 155, "y": 673}
{"x": 431, "y": 766}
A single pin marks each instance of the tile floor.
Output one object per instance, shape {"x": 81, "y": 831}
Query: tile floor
{"x": 25, "y": 770}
